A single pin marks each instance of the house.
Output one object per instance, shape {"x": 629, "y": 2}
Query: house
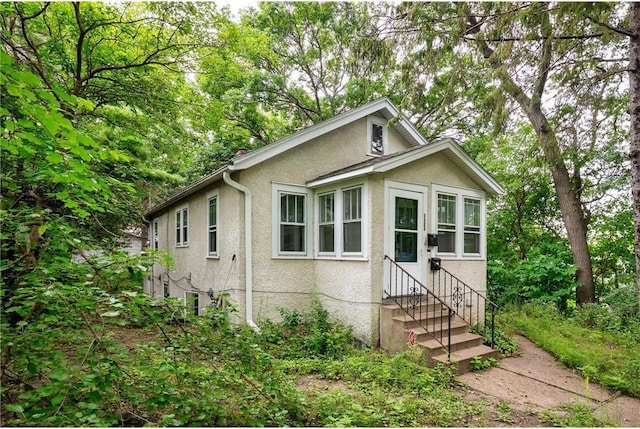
{"x": 313, "y": 215}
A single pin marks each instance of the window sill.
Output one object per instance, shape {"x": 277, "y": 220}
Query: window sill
{"x": 342, "y": 258}
{"x": 449, "y": 257}
{"x": 213, "y": 256}
{"x": 291, "y": 257}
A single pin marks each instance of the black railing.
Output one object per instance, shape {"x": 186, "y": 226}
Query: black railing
{"x": 419, "y": 303}
{"x": 469, "y": 304}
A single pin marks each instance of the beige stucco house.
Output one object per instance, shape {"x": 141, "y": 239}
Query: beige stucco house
{"x": 313, "y": 215}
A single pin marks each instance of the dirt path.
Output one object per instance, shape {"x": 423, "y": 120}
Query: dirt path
{"x": 535, "y": 380}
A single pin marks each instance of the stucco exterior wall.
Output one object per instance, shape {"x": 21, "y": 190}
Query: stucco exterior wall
{"x": 350, "y": 289}
{"x": 193, "y": 270}
{"x": 293, "y": 283}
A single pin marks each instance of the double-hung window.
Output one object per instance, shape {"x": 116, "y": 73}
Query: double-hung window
{"x": 192, "y": 303}
{"x": 156, "y": 235}
{"x": 212, "y": 225}
{"x": 340, "y": 222}
{"x": 446, "y": 223}
{"x": 352, "y": 220}
{"x": 471, "y": 226}
{"x": 291, "y": 216}
{"x": 326, "y": 223}
{"x": 182, "y": 226}
{"x": 459, "y": 216}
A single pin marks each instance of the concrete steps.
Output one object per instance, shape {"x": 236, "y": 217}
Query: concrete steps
{"x": 397, "y": 328}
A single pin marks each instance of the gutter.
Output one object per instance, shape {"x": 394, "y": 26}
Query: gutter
{"x": 248, "y": 247}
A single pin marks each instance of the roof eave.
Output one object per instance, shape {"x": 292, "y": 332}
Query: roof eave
{"x": 186, "y": 191}
{"x": 478, "y": 173}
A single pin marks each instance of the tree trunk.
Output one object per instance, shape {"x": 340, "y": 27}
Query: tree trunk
{"x": 634, "y": 112}
{"x": 575, "y": 220}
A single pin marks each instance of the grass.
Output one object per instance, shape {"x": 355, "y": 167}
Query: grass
{"x": 302, "y": 371}
{"x": 611, "y": 359}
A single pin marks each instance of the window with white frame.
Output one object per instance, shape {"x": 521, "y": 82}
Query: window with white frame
{"x": 376, "y": 136}
{"x": 446, "y": 223}
{"x": 459, "y": 217}
{"x": 192, "y": 303}
{"x": 326, "y": 223}
{"x": 340, "y": 230}
{"x": 156, "y": 235}
{"x": 471, "y": 225}
{"x": 352, "y": 220}
{"x": 182, "y": 226}
{"x": 212, "y": 225}
{"x": 291, "y": 215}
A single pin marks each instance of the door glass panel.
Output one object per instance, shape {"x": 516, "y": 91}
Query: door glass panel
{"x": 406, "y": 230}
{"x": 406, "y": 213}
{"x": 406, "y": 246}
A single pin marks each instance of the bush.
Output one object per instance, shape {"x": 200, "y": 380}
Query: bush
{"x": 506, "y": 345}
{"x": 312, "y": 334}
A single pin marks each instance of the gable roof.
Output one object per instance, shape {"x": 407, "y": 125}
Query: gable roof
{"x": 381, "y": 107}
{"x": 448, "y": 147}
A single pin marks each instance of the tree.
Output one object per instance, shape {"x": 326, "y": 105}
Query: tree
{"x": 548, "y": 60}
{"x": 634, "y": 110}
{"x": 130, "y": 60}
{"x": 286, "y": 66}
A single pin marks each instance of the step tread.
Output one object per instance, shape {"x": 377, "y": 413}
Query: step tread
{"x": 466, "y": 354}
{"x": 420, "y": 330}
{"x": 455, "y": 339}
{"x": 429, "y": 314}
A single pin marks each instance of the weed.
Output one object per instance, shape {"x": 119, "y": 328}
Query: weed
{"x": 478, "y": 363}
{"x": 506, "y": 345}
{"x": 505, "y": 412}
{"x": 572, "y": 415}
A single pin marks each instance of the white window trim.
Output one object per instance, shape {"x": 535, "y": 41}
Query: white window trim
{"x": 317, "y": 226}
{"x": 180, "y": 210}
{"x": 385, "y": 135}
{"x": 338, "y": 223}
{"x": 155, "y": 235}
{"x": 188, "y": 305}
{"x": 277, "y": 189}
{"x": 214, "y": 194}
{"x": 461, "y": 194}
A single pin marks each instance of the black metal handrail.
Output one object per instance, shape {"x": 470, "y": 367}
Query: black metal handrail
{"x": 417, "y": 302}
{"x": 462, "y": 298}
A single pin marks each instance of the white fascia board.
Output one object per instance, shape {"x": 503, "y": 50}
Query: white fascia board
{"x": 186, "y": 191}
{"x": 491, "y": 185}
{"x": 412, "y": 131}
{"x": 303, "y": 136}
{"x": 340, "y": 177}
{"x": 479, "y": 174}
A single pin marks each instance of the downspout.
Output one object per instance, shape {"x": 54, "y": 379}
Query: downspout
{"x": 248, "y": 248}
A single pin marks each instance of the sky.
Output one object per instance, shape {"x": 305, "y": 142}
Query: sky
{"x": 236, "y": 5}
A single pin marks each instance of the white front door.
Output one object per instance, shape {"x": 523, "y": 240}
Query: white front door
{"x": 405, "y": 230}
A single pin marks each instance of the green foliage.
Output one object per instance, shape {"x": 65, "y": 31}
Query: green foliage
{"x": 609, "y": 358}
{"x": 573, "y": 415}
{"x": 314, "y": 333}
{"x": 370, "y": 388}
{"x": 478, "y": 363}
{"x": 547, "y": 274}
{"x": 505, "y": 344}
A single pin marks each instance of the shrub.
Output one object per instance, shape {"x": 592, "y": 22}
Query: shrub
{"x": 306, "y": 335}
